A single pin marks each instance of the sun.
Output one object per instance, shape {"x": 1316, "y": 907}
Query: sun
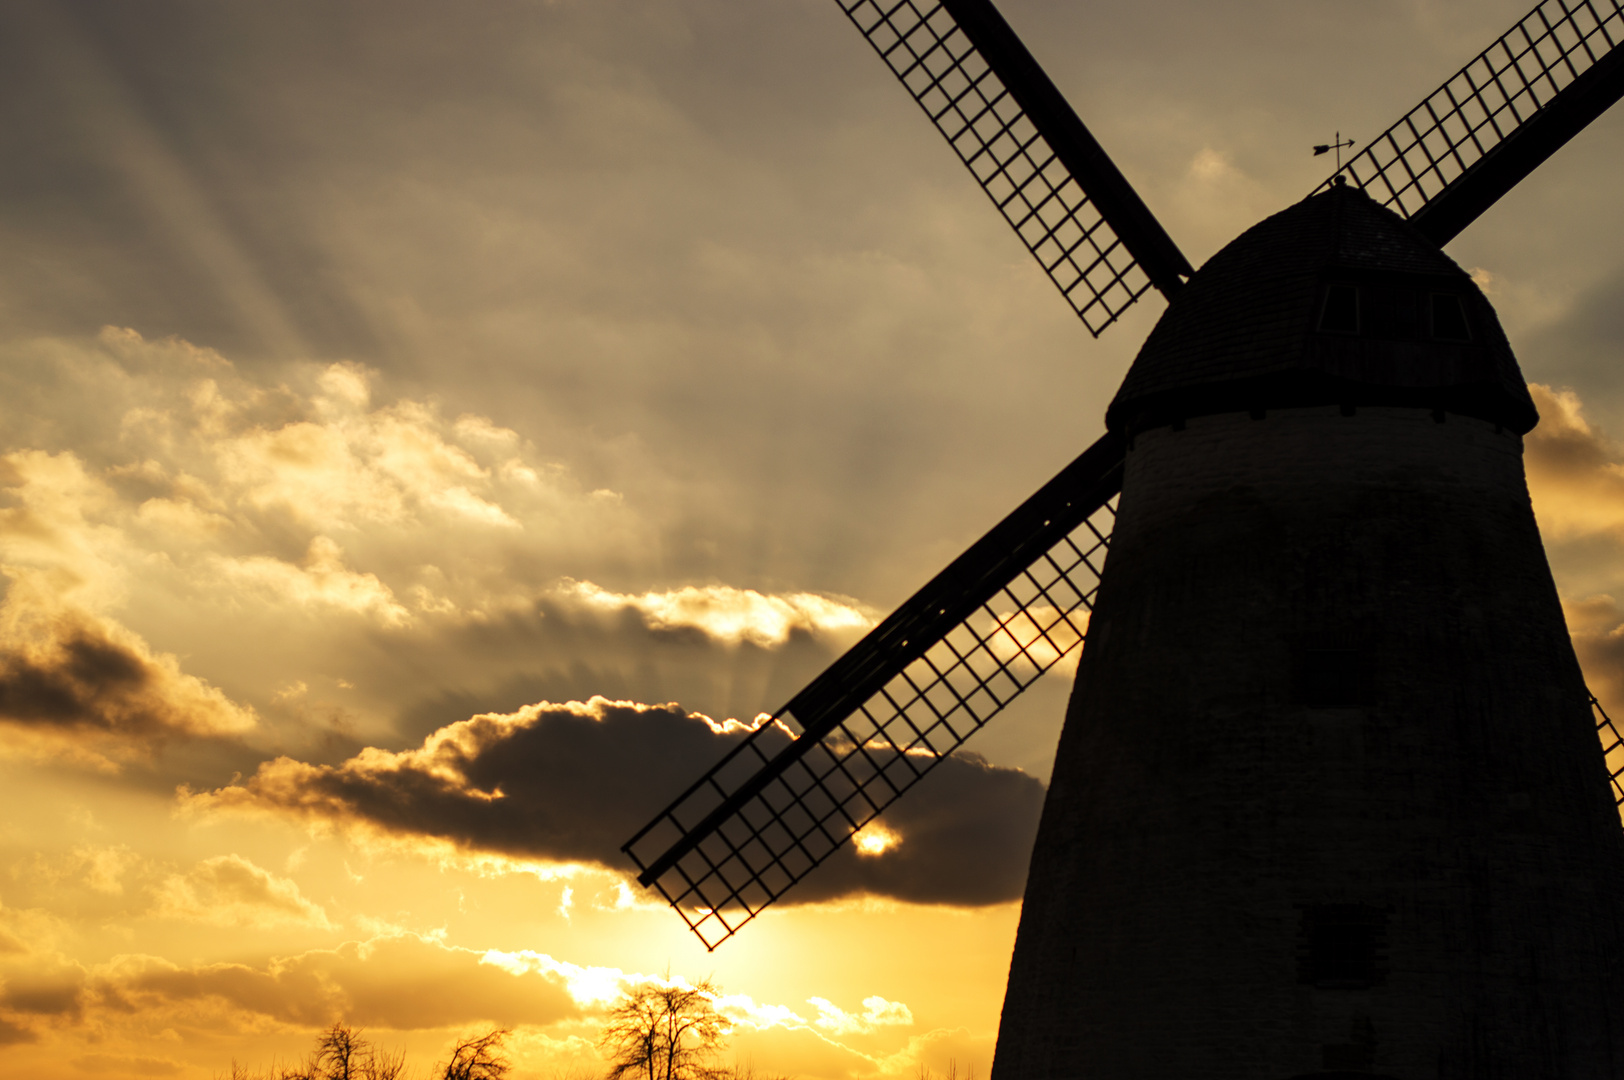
{"x": 875, "y": 839}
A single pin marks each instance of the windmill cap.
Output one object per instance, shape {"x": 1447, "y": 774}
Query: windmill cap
{"x": 1335, "y": 300}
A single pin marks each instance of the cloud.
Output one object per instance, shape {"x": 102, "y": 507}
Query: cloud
{"x": 1575, "y": 473}
{"x": 127, "y": 1064}
{"x": 172, "y": 462}
{"x": 319, "y": 580}
{"x": 75, "y": 682}
{"x": 877, "y": 1012}
{"x": 597, "y": 988}
{"x": 376, "y": 543}
{"x": 1577, "y": 327}
{"x": 401, "y": 982}
{"x": 84, "y": 687}
{"x": 405, "y": 982}
{"x": 571, "y": 782}
{"x": 939, "y": 1055}
{"x": 47, "y": 986}
{"x": 104, "y": 867}
{"x": 13, "y": 1033}
{"x": 730, "y": 615}
{"x": 1576, "y": 482}
{"x": 313, "y": 456}
{"x": 591, "y": 987}
{"x": 229, "y": 890}
{"x": 1597, "y": 625}
{"x": 345, "y": 463}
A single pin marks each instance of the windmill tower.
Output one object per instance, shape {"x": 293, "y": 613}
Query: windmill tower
{"x": 1329, "y": 799}
{"x": 1328, "y": 788}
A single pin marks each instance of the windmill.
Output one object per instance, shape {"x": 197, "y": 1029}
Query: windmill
{"x": 1329, "y": 798}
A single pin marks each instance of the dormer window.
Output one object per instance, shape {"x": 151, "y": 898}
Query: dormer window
{"x": 1449, "y": 318}
{"x": 1340, "y": 315}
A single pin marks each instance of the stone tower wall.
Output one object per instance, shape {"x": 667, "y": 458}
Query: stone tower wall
{"x": 1328, "y": 796}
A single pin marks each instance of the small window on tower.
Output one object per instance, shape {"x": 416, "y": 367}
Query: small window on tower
{"x": 1334, "y": 678}
{"x": 1341, "y": 946}
{"x": 1449, "y": 318}
{"x": 1340, "y": 315}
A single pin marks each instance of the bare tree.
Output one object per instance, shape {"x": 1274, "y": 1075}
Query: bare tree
{"x": 342, "y": 1053}
{"x": 665, "y": 1032}
{"x": 339, "y": 1053}
{"x": 924, "y": 1073}
{"x": 478, "y": 1057}
{"x": 383, "y": 1065}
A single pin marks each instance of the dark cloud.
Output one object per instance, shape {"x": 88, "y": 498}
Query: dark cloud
{"x": 84, "y": 681}
{"x": 76, "y": 675}
{"x": 53, "y": 992}
{"x": 966, "y": 831}
{"x": 555, "y": 653}
{"x": 571, "y": 783}
{"x": 11, "y": 1034}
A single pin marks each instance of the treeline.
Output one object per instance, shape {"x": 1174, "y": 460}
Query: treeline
{"x": 343, "y": 1053}
{"x": 666, "y": 1030}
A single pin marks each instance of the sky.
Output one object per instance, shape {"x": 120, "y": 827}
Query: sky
{"x": 429, "y": 433}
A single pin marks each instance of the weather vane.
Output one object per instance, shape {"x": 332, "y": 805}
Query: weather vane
{"x": 1339, "y": 145}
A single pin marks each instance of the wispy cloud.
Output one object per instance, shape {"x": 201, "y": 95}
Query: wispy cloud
{"x": 229, "y": 890}
{"x": 400, "y": 981}
{"x": 730, "y": 615}
{"x": 596, "y": 988}
{"x": 318, "y": 581}
{"x": 877, "y": 1012}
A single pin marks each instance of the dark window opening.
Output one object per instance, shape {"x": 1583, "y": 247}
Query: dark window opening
{"x": 1340, "y": 315}
{"x": 1391, "y": 313}
{"x": 1340, "y": 1059}
{"x": 1338, "y": 678}
{"x": 1449, "y": 318}
{"x": 1341, "y": 946}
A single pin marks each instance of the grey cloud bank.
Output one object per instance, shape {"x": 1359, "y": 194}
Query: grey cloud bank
{"x": 572, "y": 782}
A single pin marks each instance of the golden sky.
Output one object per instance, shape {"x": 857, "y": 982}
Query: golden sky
{"x": 430, "y": 430}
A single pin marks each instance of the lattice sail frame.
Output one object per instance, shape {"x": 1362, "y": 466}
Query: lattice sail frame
{"x": 1478, "y": 107}
{"x": 840, "y": 782}
{"x": 947, "y": 75}
{"x": 1612, "y": 748}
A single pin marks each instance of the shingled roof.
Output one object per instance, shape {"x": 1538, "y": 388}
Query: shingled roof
{"x": 1245, "y": 332}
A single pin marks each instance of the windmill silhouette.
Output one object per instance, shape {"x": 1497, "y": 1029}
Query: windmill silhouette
{"x": 1329, "y": 798}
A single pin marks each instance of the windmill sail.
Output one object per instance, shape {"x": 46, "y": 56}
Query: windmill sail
{"x": 1612, "y": 748}
{"x": 1494, "y": 121}
{"x": 888, "y": 711}
{"x": 1067, "y": 201}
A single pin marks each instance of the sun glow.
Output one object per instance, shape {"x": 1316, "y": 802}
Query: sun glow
{"x": 875, "y": 839}
{"x": 1039, "y": 635}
